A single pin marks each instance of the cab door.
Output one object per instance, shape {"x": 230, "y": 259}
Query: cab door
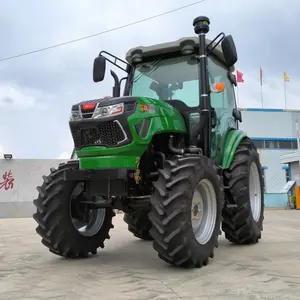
{"x": 224, "y": 103}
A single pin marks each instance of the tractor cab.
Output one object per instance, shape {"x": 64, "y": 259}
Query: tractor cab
{"x": 170, "y": 72}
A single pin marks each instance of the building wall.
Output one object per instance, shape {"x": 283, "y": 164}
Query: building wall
{"x": 19, "y": 190}
{"x": 275, "y": 174}
{"x": 295, "y": 171}
{"x": 274, "y": 133}
{"x": 270, "y": 123}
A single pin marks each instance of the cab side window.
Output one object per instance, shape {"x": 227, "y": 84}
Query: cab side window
{"x": 224, "y": 101}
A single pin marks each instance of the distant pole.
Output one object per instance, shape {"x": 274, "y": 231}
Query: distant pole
{"x": 286, "y": 79}
{"x": 261, "y": 96}
{"x": 261, "y": 87}
{"x": 284, "y": 88}
{"x": 237, "y": 95}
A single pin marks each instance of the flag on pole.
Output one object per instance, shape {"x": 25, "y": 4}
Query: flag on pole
{"x": 239, "y": 76}
{"x": 260, "y": 76}
{"x": 286, "y": 77}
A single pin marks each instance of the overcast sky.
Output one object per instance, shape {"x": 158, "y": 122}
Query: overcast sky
{"x": 37, "y": 91}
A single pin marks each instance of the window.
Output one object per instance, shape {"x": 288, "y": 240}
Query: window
{"x": 287, "y": 174}
{"x": 218, "y": 73}
{"x": 275, "y": 144}
{"x": 259, "y": 144}
{"x": 167, "y": 79}
{"x": 285, "y": 144}
{"x": 177, "y": 78}
{"x": 271, "y": 144}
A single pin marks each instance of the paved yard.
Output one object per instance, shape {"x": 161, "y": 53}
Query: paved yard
{"x": 128, "y": 268}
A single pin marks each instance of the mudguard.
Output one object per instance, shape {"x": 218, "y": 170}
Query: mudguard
{"x": 232, "y": 140}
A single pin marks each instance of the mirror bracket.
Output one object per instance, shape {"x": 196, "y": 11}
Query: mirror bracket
{"x": 236, "y": 113}
{"x": 232, "y": 78}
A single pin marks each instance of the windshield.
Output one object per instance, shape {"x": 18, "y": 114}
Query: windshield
{"x": 168, "y": 79}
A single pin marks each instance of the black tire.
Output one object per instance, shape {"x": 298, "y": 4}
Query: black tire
{"x": 139, "y": 224}
{"x": 238, "y": 223}
{"x": 55, "y": 225}
{"x": 172, "y": 207}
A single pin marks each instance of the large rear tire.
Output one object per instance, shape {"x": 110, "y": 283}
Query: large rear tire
{"x": 56, "y": 223}
{"x": 243, "y": 213}
{"x": 186, "y": 211}
{"x": 139, "y": 224}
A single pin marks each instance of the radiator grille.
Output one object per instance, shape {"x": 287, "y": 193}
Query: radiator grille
{"x": 107, "y": 133}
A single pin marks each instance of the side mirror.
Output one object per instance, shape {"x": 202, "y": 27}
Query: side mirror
{"x": 99, "y": 68}
{"x": 229, "y": 50}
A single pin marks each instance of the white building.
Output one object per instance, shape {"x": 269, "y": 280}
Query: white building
{"x": 274, "y": 134}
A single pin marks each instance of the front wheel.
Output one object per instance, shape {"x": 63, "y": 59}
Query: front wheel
{"x": 66, "y": 226}
{"x": 186, "y": 211}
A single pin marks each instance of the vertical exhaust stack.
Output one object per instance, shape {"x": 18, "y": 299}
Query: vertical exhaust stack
{"x": 201, "y": 28}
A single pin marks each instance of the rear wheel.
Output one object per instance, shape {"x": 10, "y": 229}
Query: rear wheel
{"x": 139, "y": 224}
{"x": 186, "y": 211}
{"x": 66, "y": 226}
{"x": 244, "y": 213}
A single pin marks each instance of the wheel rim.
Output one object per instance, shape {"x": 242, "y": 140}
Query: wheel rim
{"x": 86, "y": 222}
{"x": 255, "y": 191}
{"x": 204, "y": 211}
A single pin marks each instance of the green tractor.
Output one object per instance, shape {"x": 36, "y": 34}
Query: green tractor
{"x": 168, "y": 153}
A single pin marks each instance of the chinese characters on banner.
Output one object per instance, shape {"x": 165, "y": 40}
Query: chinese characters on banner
{"x": 8, "y": 181}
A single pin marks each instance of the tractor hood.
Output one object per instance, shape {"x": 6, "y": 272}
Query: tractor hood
{"x": 113, "y": 124}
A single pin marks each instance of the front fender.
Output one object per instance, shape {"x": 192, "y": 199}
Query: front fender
{"x": 232, "y": 141}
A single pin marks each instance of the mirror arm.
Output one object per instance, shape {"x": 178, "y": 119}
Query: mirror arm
{"x": 128, "y": 66}
{"x": 222, "y": 35}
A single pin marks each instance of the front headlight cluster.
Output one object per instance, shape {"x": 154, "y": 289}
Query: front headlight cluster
{"x": 100, "y": 112}
{"x": 108, "y": 111}
{"x": 75, "y": 115}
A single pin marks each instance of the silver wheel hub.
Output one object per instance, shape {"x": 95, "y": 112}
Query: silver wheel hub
{"x": 87, "y": 222}
{"x": 255, "y": 191}
{"x": 204, "y": 211}
{"x": 94, "y": 223}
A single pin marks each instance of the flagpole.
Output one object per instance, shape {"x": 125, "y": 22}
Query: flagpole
{"x": 284, "y": 88}
{"x": 261, "y": 87}
{"x": 237, "y": 95}
{"x": 261, "y": 96}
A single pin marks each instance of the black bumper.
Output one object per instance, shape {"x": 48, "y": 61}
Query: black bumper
{"x": 101, "y": 182}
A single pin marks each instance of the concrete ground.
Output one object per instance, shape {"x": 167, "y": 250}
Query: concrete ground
{"x": 129, "y": 269}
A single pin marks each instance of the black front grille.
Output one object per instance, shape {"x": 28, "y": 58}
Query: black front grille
{"x": 105, "y": 133}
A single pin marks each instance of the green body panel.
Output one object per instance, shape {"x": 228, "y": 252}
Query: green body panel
{"x": 108, "y": 162}
{"x": 163, "y": 118}
{"x": 232, "y": 141}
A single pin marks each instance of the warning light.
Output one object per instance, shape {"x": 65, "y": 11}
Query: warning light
{"x": 144, "y": 107}
{"x": 217, "y": 87}
{"x": 88, "y": 106}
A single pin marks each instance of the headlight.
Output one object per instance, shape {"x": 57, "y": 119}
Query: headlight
{"x": 75, "y": 115}
{"x": 109, "y": 111}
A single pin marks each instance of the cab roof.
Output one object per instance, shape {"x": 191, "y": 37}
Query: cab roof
{"x": 171, "y": 47}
